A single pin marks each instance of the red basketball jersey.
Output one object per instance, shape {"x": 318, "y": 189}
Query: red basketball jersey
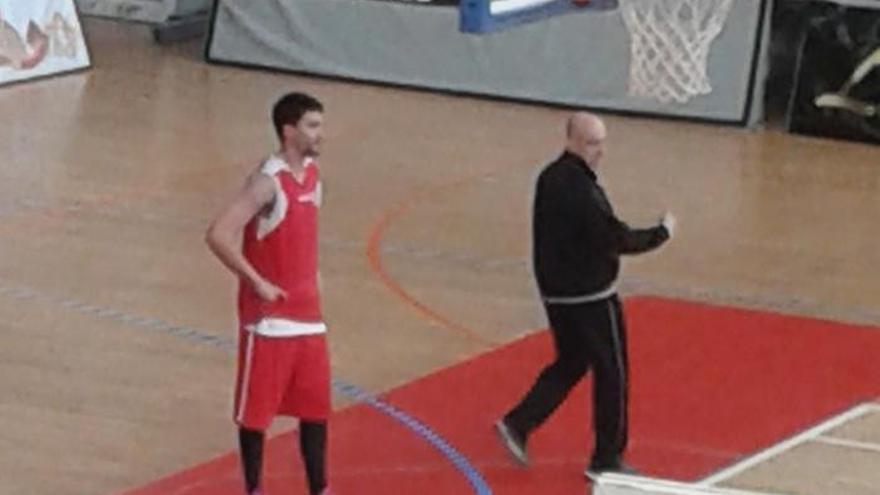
{"x": 282, "y": 245}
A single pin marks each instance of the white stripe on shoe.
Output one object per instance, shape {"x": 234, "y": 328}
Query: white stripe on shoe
{"x": 514, "y": 448}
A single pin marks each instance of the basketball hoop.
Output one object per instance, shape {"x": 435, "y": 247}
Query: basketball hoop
{"x": 670, "y": 41}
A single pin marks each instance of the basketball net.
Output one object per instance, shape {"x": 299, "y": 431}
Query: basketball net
{"x": 670, "y": 41}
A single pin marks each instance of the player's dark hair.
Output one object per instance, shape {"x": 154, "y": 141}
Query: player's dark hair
{"x": 291, "y": 108}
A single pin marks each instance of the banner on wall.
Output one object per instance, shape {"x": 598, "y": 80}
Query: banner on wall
{"x": 40, "y": 38}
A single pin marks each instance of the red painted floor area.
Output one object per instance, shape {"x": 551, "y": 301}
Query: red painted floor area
{"x": 709, "y": 385}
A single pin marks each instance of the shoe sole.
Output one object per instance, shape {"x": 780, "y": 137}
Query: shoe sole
{"x": 593, "y": 475}
{"x": 513, "y": 448}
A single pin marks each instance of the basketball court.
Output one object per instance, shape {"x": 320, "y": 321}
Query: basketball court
{"x": 753, "y": 333}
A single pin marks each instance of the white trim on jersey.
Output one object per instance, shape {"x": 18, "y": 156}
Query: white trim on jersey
{"x": 312, "y": 197}
{"x": 273, "y": 164}
{"x": 281, "y": 327}
{"x": 270, "y": 222}
{"x": 271, "y": 167}
{"x": 273, "y": 219}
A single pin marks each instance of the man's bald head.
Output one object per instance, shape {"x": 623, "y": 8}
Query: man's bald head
{"x": 585, "y": 135}
{"x": 585, "y": 124}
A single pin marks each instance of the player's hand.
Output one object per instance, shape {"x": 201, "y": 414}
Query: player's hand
{"x": 269, "y": 292}
{"x": 669, "y": 222}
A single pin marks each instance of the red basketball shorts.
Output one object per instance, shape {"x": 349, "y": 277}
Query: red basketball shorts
{"x": 287, "y": 376}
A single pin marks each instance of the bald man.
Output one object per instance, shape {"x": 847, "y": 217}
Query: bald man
{"x": 577, "y": 243}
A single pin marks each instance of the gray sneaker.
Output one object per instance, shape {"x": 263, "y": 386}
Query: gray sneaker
{"x": 595, "y": 470}
{"x": 513, "y": 442}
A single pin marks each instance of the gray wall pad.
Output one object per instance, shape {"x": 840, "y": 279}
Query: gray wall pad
{"x": 578, "y": 59}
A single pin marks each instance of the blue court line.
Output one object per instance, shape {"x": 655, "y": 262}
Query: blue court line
{"x": 200, "y": 337}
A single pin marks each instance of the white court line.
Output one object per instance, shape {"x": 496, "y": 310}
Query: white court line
{"x": 852, "y": 444}
{"x": 789, "y": 444}
{"x": 620, "y": 484}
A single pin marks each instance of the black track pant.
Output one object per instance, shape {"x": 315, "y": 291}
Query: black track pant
{"x": 587, "y": 336}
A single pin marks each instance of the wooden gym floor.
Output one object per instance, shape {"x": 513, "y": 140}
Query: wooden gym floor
{"x": 110, "y": 176}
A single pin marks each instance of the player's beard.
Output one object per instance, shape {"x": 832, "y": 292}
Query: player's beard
{"x": 313, "y": 150}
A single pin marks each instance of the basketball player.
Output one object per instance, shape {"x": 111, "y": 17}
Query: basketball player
{"x": 577, "y": 243}
{"x": 267, "y": 236}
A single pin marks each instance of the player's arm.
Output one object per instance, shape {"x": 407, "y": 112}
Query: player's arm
{"x": 225, "y": 233}
{"x": 615, "y": 236}
{"x": 635, "y": 241}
